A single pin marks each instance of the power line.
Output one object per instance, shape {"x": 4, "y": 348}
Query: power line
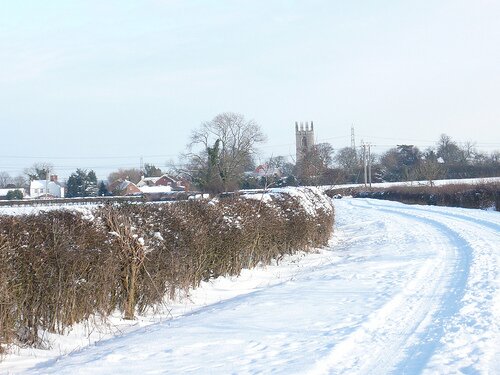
{"x": 85, "y": 157}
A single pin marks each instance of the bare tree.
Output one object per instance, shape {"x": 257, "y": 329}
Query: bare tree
{"x": 315, "y": 163}
{"x": 225, "y": 148}
{"x": 430, "y": 170}
{"x": 448, "y": 150}
{"x": 39, "y": 171}
{"x": 5, "y": 179}
{"x": 20, "y": 181}
{"x": 132, "y": 174}
{"x": 280, "y": 162}
{"x": 469, "y": 152}
{"x": 347, "y": 159}
{"x": 350, "y": 165}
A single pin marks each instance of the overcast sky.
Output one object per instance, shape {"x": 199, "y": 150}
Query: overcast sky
{"x": 98, "y": 84}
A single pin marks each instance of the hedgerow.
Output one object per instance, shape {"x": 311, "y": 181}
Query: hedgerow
{"x": 481, "y": 195}
{"x": 62, "y": 267}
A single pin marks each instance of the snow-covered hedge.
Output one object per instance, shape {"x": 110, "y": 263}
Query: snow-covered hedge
{"x": 62, "y": 267}
{"x": 479, "y": 195}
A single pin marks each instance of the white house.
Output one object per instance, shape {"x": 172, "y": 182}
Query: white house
{"x": 49, "y": 188}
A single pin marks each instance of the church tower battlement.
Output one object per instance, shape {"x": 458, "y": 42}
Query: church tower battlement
{"x": 304, "y": 139}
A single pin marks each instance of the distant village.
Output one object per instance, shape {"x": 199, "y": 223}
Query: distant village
{"x": 214, "y": 169}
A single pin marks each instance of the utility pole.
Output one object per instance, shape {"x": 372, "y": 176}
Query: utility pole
{"x": 364, "y": 163}
{"x": 47, "y": 176}
{"x": 141, "y": 165}
{"x": 369, "y": 165}
{"x": 353, "y": 140}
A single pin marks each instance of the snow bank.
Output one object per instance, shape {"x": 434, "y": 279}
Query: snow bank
{"x": 311, "y": 199}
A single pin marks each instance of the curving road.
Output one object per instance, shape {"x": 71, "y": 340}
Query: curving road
{"x": 402, "y": 289}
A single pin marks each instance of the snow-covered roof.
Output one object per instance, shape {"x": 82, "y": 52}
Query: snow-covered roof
{"x": 37, "y": 184}
{"x": 147, "y": 181}
{"x": 156, "y": 189}
{"x": 123, "y": 185}
{"x": 34, "y": 184}
{"x": 152, "y": 179}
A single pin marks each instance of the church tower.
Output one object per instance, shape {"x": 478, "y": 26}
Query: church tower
{"x": 304, "y": 140}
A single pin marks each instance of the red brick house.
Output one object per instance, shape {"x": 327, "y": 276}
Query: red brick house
{"x": 124, "y": 187}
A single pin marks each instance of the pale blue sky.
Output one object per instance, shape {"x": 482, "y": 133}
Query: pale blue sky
{"x": 97, "y": 84}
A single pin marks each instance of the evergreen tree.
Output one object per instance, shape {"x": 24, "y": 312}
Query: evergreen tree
{"x": 91, "y": 188}
{"x": 103, "y": 190}
{"x": 14, "y": 194}
{"x": 82, "y": 184}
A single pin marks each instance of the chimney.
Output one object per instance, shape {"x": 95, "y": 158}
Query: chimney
{"x": 53, "y": 177}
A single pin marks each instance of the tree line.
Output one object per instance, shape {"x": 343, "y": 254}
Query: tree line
{"x": 220, "y": 152}
{"x": 405, "y": 162}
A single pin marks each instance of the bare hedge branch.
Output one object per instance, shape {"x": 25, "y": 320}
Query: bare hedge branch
{"x": 60, "y": 267}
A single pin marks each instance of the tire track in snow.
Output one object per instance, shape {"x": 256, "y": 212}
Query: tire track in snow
{"x": 471, "y": 340}
{"x": 394, "y": 334}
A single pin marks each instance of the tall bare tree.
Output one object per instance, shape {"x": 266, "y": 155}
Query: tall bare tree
{"x": 448, "y": 150}
{"x": 39, "y": 171}
{"x": 5, "y": 179}
{"x": 221, "y": 150}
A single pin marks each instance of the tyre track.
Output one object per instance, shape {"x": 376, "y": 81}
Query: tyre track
{"x": 390, "y": 337}
{"x": 473, "y": 331}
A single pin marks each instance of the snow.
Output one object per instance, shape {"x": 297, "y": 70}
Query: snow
{"x": 311, "y": 198}
{"x": 156, "y": 189}
{"x": 467, "y": 181}
{"x": 85, "y": 209}
{"x": 399, "y": 289}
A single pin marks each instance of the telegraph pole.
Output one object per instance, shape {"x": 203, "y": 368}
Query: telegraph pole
{"x": 364, "y": 163}
{"x": 369, "y": 165}
{"x": 47, "y": 176}
{"x": 353, "y": 140}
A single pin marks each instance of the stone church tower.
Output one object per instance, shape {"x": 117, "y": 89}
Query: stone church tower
{"x": 304, "y": 140}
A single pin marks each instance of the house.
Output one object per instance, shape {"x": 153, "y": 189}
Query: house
{"x": 165, "y": 180}
{"x": 46, "y": 188}
{"x": 124, "y": 187}
{"x": 265, "y": 170}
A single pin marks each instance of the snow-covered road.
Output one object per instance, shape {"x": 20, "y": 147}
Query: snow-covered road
{"x": 403, "y": 289}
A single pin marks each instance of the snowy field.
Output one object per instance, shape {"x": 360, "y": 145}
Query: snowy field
{"x": 401, "y": 289}
{"x": 466, "y": 181}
